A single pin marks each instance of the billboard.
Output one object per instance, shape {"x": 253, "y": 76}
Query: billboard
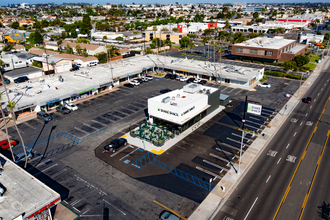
{"x": 318, "y": 44}
{"x": 254, "y": 109}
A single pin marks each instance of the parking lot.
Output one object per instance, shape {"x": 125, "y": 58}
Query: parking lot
{"x": 128, "y": 183}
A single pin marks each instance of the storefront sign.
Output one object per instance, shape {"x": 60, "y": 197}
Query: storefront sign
{"x": 56, "y": 201}
{"x": 81, "y": 92}
{"x": 25, "y": 106}
{"x": 189, "y": 110}
{"x": 52, "y": 101}
{"x": 105, "y": 85}
{"x": 184, "y": 70}
{"x": 318, "y": 44}
{"x": 205, "y": 73}
{"x": 168, "y": 112}
{"x": 74, "y": 94}
{"x": 89, "y": 89}
{"x": 254, "y": 109}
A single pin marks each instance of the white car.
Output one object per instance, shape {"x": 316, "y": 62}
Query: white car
{"x": 79, "y": 64}
{"x": 265, "y": 85}
{"x": 72, "y": 107}
{"x": 92, "y": 63}
{"x": 135, "y": 82}
{"x": 149, "y": 77}
{"x": 183, "y": 78}
{"x": 197, "y": 80}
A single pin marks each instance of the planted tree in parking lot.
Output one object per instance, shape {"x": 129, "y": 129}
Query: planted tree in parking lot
{"x": 301, "y": 60}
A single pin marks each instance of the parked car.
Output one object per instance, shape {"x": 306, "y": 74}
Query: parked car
{"x": 166, "y": 215}
{"x": 183, "y": 78}
{"x": 165, "y": 91}
{"x": 178, "y": 77}
{"x": 307, "y": 99}
{"x": 20, "y": 158}
{"x": 4, "y": 144}
{"x": 168, "y": 76}
{"x": 197, "y": 80}
{"x": 44, "y": 116}
{"x": 140, "y": 80}
{"x": 74, "y": 68}
{"x": 202, "y": 82}
{"x": 149, "y": 77}
{"x": 6, "y": 81}
{"x": 93, "y": 63}
{"x": 173, "y": 76}
{"x": 79, "y": 65}
{"x": 21, "y": 79}
{"x": 135, "y": 82}
{"x": 145, "y": 79}
{"x": 72, "y": 107}
{"x": 264, "y": 85}
{"x": 190, "y": 80}
{"x": 3, "y": 189}
{"x": 115, "y": 144}
{"x": 129, "y": 85}
{"x": 63, "y": 109}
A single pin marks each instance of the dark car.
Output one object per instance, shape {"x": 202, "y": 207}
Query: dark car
{"x": 190, "y": 80}
{"x": 202, "y": 82}
{"x": 115, "y": 144}
{"x": 165, "y": 91}
{"x": 168, "y": 76}
{"x": 44, "y": 116}
{"x": 129, "y": 85}
{"x": 63, "y": 109}
{"x": 74, "y": 68}
{"x": 21, "y": 79}
{"x": 140, "y": 80}
{"x": 307, "y": 99}
{"x": 173, "y": 76}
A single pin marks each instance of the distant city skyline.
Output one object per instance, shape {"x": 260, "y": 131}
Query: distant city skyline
{"x": 102, "y": 2}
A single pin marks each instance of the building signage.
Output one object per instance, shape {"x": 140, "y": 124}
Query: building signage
{"x": 168, "y": 112}
{"x": 184, "y": 70}
{"x": 81, "y": 92}
{"x": 318, "y": 44}
{"x": 254, "y": 109}
{"x": 25, "y": 106}
{"x": 189, "y": 110}
{"x": 56, "y": 201}
{"x": 89, "y": 89}
{"x": 74, "y": 94}
{"x": 205, "y": 73}
{"x": 52, "y": 101}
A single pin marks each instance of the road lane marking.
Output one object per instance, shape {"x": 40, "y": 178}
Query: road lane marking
{"x": 169, "y": 209}
{"x": 302, "y": 157}
{"x": 295, "y": 134}
{"x": 291, "y": 158}
{"x": 314, "y": 100}
{"x": 268, "y": 178}
{"x": 311, "y": 107}
{"x": 251, "y": 208}
{"x": 321, "y": 89}
{"x": 318, "y": 94}
{"x": 300, "y": 123}
{"x": 311, "y": 185}
{"x": 278, "y": 160}
{"x": 271, "y": 153}
{"x": 306, "y": 114}
{"x": 287, "y": 146}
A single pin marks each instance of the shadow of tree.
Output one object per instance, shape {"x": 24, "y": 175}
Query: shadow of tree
{"x": 324, "y": 210}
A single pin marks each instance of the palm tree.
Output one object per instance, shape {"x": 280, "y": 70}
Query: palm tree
{"x": 78, "y": 49}
{"x": 205, "y": 40}
{"x": 11, "y": 107}
{"x": 154, "y": 28}
{"x": 228, "y": 38}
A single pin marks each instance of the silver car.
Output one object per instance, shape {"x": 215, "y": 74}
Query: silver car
{"x": 44, "y": 116}
{"x": 20, "y": 158}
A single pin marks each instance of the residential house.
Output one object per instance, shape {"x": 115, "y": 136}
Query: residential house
{"x": 42, "y": 52}
{"x": 27, "y": 57}
{"x": 90, "y": 48}
{"x": 86, "y": 60}
{"x": 15, "y": 38}
{"x": 51, "y": 45}
{"x": 52, "y": 64}
{"x": 12, "y": 62}
{"x": 124, "y": 51}
{"x": 19, "y": 47}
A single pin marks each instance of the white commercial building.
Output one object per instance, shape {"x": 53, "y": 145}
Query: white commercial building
{"x": 311, "y": 39}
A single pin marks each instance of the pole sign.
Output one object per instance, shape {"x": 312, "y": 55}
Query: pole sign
{"x": 254, "y": 109}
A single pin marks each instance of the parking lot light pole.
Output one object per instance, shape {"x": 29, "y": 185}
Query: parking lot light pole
{"x": 300, "y": 83}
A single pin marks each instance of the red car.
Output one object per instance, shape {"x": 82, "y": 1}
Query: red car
{"x": 307, "y": 99}
{"x": 4, "y": 144}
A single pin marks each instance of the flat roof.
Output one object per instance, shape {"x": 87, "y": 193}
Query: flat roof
{"x": 24, "y": 194}
{"x": 296, "y": 49}
{"x": 264, "y": 42}
{"x": 21, "y": 71}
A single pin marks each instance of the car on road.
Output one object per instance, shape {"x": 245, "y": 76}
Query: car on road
{"x": 74, "y": 68}
{"x": 165, "y": 91}
{"x": 4, "y": 144}
{"x": 135, "y": 82}
{"x": 183, "y": 78}
{"x": 72, "y": 107}
{"x": 197, "y": 80}
{"x": 202, "y": 82}
{"x": 307, "y": 99}
{"x": 264, "y": 85}
{"x": 190, "y": 80}
{"x": 129, "y": 85}
{"x": 173, "y": 76}
{"x": 21, "y": 79}
{"x": 168, "y": 76}
{"x": 63, "y": 109}
{"x": 44, "y": 116}
{"x": 20, "y": 158}
{"x": 115, "y": 144}
{"x": 166, "y": 215}
{"x": 149, "y": 77}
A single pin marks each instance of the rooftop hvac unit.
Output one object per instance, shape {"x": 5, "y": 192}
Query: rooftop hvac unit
{"x": 166, "y": 99}
{"x": 173, "y": 98}
{"x": 178, "y": 95}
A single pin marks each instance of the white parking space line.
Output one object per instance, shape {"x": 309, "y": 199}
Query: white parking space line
{"x": 215, "y": 165}
{"x": 27, "y": 124}
{"x": 311, "y": 107}
{"x": 250, "y": 209}
{"x": 114, "y": 207}
{"x": 287, "y": 146}
{"x": 238, "y": 142}
{"x": 99, "y": 123}
{"x": 231, "y": 90}
{"x": 301, "y": 123}
{"x": 129, "y": 154}
{"x": 321, "y": 89}
{"x": 90, "y": 126}
{"x": 76, "y": 209}
{"x": 59, "y": 173}
{"x": 268, "y": 178}
{"x": 224, "y": 89}
{"x": 255, "y": 118}
{"x": 81, "y": 130}
{"x": 240, "y": 136}
{"x": 295, "y": 134}
{"x": 254, "y": 122}
{"x": 314, "y": 100}
{"x": 208, "y": 172}
{"x": 239, "y": 91}
{"x": 278, "y": 160}
{"x": 76, "y": 202}
{"x": 318, "y": 94}
{"x": 306, "y": 114}
{"x": 219, "y": 158}
{"x": 114, "y": 154}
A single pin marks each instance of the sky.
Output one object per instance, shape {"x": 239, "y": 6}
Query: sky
{"x": 101, "y": 2}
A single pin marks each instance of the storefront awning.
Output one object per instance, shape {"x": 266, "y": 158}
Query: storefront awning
{"x": 183, "y": 121}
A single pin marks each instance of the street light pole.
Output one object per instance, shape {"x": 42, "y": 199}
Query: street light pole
{"x": 300, "y": 84}
{"x": 240, "y": 152}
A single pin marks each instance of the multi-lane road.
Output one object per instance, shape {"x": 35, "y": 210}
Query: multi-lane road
{"x": 289, "y": 180}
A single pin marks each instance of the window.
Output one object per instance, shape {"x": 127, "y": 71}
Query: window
{"x": 239, "y": 50}
{"x": 269, "y": 53}
{"x": 279, "y": 52}
{"x": 253, "y": 51}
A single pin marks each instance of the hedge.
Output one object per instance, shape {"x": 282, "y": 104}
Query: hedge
{"x": 280, "y": 74}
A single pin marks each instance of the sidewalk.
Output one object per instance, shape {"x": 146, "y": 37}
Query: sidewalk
{"x": 64, "y": 213}
{"x": 217, "y": 197}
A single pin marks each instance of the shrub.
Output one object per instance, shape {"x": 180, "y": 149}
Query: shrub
{"x": 249, "y": 61}
{"x": 256, "y": 62}
{"x": 95, "y": 93}
{"x": 264, "y": 79}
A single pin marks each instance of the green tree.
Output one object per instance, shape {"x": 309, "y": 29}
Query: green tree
{"x": 301, "y": 60}
{"x": 255, "y": 15}
{"x": 86, "y": 25}
{"x": 74, "y": 34}
{"x": 327, "y": 36}
{"x": 239, "y": 37}
{"x": 36, "y": 38}
{"x": 252, "y": 35}
{"x": 175, "y": 29}
{"x": 15, "y": 25}
{"x": 102, "y": 57}
{"x": 78, "y": 49}
{"x": 8, "y": 47}
{"x": 185, "y": 42}
{"x": 289, "y": 65}
{"x": 227, "y": 25}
